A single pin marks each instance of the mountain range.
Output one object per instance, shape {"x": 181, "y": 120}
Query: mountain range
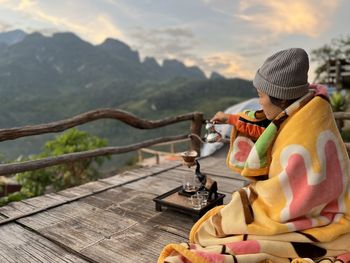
{"x": 48, "y": 78}
{"x": 53, "y": 61}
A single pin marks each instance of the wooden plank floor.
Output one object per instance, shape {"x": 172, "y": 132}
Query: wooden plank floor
{"x": 110, "y": 220}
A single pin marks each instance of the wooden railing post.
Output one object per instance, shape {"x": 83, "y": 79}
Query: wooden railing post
{"x": 172, "y": 148}
{"x": 140, "y": 156}
{"x": 196, "y": 127}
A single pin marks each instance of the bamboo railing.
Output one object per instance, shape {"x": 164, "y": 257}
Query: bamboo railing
{"x": 196, "y": 119}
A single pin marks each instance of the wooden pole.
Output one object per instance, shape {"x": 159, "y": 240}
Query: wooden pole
{"x": 196, "y": 127}
{"x": 140, "y": 156}
{"x": 172, "y": 148}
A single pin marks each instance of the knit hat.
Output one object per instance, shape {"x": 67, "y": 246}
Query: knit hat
{"x": 284, "y": 74}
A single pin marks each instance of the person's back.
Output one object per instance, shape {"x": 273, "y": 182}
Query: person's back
{"x": 298, "y": 204}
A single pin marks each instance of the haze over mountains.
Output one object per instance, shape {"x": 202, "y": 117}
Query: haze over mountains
{"x": 48, "y": 78}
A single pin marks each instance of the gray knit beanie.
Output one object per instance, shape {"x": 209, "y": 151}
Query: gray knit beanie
{"x": 284, "y": 74}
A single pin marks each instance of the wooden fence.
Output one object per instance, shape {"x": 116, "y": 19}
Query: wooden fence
{"x": 196, "y": 119}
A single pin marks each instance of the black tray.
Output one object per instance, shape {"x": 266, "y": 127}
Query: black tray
{"x": 181, "y": 203}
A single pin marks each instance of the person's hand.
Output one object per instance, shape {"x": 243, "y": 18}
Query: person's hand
{"x": 220, "y": 117}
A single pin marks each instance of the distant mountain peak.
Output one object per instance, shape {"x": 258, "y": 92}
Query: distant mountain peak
{"x": 35, "y": 34}
{"x": 151, "y": 62}
{"x": 65, "y": 35}
{"x": 12, "y": 37}
{"x": 175, "y": 67}
{"x": 114, "y": 43}
{"x": 119, "y": 48}
{"x": 172, "y": 63}
{"x": 216, "y": 75}
{"x": 69, "y": 38}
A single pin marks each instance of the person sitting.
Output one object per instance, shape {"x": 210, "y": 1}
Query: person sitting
{"x": 297, "y": 206}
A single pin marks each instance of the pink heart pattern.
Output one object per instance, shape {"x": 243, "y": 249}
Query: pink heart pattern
{"x": 309, "y": 193}
{"x": 241, "y": 150}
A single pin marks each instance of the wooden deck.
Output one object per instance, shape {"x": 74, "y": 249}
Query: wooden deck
{"x": 110, "y": 220}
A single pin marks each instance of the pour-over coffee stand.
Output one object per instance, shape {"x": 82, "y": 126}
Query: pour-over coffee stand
{"x": 178, "y": 198}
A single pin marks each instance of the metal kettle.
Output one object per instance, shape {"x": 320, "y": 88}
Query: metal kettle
{"x": 212, "y": 134}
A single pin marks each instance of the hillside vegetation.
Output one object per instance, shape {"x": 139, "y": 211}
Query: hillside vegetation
{"x": 44, "y": 79}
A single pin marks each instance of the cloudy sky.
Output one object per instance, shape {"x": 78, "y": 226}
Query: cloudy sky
{"x": 232, "y": 37}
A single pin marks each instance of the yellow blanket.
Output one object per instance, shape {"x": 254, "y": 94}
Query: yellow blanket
{"x": 300, "y": 213}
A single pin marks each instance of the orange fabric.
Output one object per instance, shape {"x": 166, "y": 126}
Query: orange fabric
{"x": 233, "y": 119}
{"x": 249, "y": 129}
{"x": 189, "y": 255}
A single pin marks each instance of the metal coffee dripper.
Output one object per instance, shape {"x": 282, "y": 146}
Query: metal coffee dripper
{"x": 189, "y": 157}
{"x": 197, "y": 181}
{"x": 190, "y": 183}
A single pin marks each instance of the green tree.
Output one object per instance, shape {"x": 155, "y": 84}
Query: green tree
{"x": 79, "y": 172}
{"x": 338, "y": 48}
{"x": 338, "y": 103}
{"x": 61, "y": 176}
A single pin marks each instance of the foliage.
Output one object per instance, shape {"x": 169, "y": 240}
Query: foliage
{"x": 61, "y": 176}
{"x": 2, "y": 158}
{"x": 345, "y": 134}
{"x": 185, "y": 95}
{"x": 132, "y": 161}
{"x": 338, "y": 101}
{"x": 14, "y": 197}
{"x": 338, "y": 48}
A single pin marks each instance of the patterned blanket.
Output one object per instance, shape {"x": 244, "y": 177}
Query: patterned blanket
{"x": 297, "y": 208}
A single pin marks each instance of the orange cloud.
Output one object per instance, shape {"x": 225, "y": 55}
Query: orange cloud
{"x": 95, "y": 30}
{"x": 228, "y": 64}
{"x": 308, "y": 18}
